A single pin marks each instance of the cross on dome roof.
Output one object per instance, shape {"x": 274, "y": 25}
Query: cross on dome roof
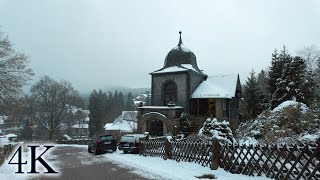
{"x": 180, "y": 40}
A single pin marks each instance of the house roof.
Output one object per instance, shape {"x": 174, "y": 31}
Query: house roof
{"x": 126, "y": 122}
{"x": 80, "y": 126}
{"x": 223, "y": 86}
{"x": 177, "y": 68}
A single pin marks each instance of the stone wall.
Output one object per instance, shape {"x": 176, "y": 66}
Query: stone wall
{"x": 157, "y": 84}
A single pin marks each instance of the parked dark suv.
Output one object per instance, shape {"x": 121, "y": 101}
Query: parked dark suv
{"x": 102, "y": 143}
{"x": 130, "y": 143}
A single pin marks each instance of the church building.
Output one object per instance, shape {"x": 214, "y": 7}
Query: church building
{"x": 180, "y": 86}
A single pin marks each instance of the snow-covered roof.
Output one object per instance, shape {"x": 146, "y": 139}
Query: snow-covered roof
{"x": 125, "y": 126}
{"x": 223, "y": 86}
{"x": 77, "y": 126}
{"x": 138, "y": 102}
{"x": 161, "y": 107}
{"x": 126, "y": 122}
{"x": 3, "y": 118}
{"x": 11, "y": 135}
{"x": 74, "y": 110}
{"x": 108, "y": 125}
{"x": 183, "y": 67}
{"x": 129, "y": 115}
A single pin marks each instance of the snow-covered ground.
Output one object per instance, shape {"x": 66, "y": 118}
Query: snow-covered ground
{"x": 149, "y": 167}
{"x": 155, "y": 167}
{"x": 7, "y": 171}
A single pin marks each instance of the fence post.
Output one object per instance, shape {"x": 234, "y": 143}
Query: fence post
{"x": 140, "y": 146}
{"x": 215, "y": 154}
{"x": 167, "y": 149}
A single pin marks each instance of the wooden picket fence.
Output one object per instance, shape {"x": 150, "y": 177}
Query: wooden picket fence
{"x": 187, "y": 151}
{"x": 5, "y": 152}
{"x": 274, "y": 161}
{"x": 154, "y": 148}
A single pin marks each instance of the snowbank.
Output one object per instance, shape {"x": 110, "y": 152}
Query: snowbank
{"x": 290, "y": 122}
{"x": 306, "y": 137}
{"x": 3, "y": 118}
{"x": 290, "y": 103}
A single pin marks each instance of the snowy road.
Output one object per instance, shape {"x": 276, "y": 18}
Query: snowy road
{"x": 74, "y": 162}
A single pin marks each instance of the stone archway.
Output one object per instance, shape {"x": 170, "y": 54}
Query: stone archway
{"x": 154, "y": 117}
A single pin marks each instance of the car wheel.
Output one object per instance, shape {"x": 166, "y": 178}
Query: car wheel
{"x": 125, "y": 152}
{"x": 96, "y": 151}
{"x": 89, "y": 151}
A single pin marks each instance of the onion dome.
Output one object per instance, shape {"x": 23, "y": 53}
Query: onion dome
{"x": 180, "y": 55}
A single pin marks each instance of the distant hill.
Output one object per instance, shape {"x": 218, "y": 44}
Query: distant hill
{"x": 125, "y": 90}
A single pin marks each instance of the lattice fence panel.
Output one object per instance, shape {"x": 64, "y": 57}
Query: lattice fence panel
{"x": 153, "y": 148}
{"x": 198, "y": 152}
{"x": 274, "y": 161}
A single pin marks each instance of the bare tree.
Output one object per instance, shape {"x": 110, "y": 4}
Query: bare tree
{"x": 49, "y": 103}
{"x": 14, "y": 72}
{"x": 131, "y": 118}
{"x": 310, "y": 54}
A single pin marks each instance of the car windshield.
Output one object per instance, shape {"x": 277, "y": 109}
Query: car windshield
{"x": 127, "y": 139}
{"x": 106, "y": 138}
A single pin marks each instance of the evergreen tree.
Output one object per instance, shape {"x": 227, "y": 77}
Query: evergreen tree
{"x": 129, "y": 103}
{"x": 263, "y": 85}
{"x": 109, "y": 101}
{"x": 296, "y": 82}
{"x": 93, "y": 112}
{"x": 115, "y": 105}
{"x": 252, "y": 96}
{"x": 101, "y": 116}
{"x": 97, "y": 106}
{"x": 277, "y": 64}
{"x": 317, "y": 72}
{"x": 115, "y": 98}
{"x": 148, "y": 99}
{"x": 317, "y": 81}
{"x": 212, "y": 128}
{"x": 121, "y": 104}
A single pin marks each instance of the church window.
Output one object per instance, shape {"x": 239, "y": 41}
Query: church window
{"x": 169, "y": 93}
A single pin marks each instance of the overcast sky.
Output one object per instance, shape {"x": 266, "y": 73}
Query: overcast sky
{"x": 95, "y": 44}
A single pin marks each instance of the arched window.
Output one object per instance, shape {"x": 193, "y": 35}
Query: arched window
{"x": 169, "y": 92}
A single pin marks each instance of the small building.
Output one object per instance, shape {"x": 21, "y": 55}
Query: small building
{"x": 81, "y": 129}
{"x": 123, "y": 124}
{"x": 180, "y": 86}
{"x": 126, "y": 122}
